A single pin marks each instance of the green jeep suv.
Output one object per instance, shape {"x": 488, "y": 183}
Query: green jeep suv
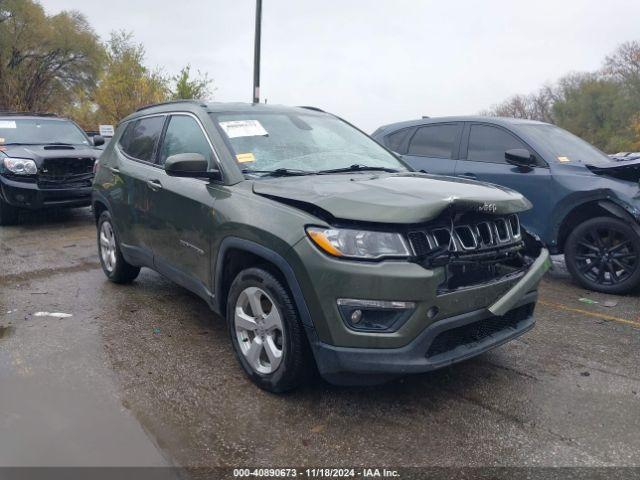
{"x": 321, "y": 248}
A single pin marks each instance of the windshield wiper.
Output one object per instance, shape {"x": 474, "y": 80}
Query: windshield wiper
{"x": 280, "y": 172}
{"x": 359, "y": 168}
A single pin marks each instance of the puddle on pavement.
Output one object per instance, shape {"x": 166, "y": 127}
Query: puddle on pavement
{"x": 5, "y": 331}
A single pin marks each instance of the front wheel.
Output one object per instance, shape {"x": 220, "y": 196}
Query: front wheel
{"x": 603, "y": 254}
{"x": 266, "y": 333}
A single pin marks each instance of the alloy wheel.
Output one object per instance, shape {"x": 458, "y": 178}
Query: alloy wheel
{"x": 108, "y": 246}
{"x": 259, "y": 331}
{"x": 606, "y": 256}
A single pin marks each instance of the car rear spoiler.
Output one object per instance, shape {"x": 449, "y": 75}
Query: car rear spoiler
{"x": 623, "y": 170}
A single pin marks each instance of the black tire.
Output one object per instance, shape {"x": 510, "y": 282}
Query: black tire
{"x": 296, "y": 364}
{"x": 8, "y": 214}
{"x": 603, "y": 254}
{"x": 116, "y": 267}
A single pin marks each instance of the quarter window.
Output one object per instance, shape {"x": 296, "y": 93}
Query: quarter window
{"x": 141, "y": 137}
{"x": 184, "y": 135}
{"x": 488, "y": 144}
{"x": 395, "y": 140}
{"x": 434, "y": 141}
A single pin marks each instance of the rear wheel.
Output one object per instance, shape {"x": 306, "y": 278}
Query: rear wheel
{"x": 267, "y": 336}
{"x": 603, "y": 254}
{"x": 8, "y": 214}
{"x": 114, "y": 266}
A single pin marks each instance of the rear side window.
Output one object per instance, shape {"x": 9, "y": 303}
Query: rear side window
{"x": 184, "y": 135}
{"x": 140, "y": 138}
{"x": 488, "y": 144}
{"x": 434, "y": 141}
{"x": 395, "y": 141}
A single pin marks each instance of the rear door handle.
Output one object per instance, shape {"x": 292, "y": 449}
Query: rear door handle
{"x": 154, "y": 185}
{"x": 114, "y": 169}
{"x": 470, "y": 176}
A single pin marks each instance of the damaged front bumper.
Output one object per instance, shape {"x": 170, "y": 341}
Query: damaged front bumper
{"x": 471, "y": 320}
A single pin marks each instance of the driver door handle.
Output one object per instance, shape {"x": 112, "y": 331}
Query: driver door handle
{"x": 114, "y": 169}
{"x": 154, "y": 185}
{"x": 470, "y": 176}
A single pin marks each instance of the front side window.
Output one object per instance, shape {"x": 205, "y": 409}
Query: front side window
{"x": 184, "y": 135}
{"x": 299, "y": 141}
{"x": 434, "y": 141}
{"x": 565, "y": 146}
{"x": 40, "y": 131}
{"x": 488, "y": 144}
{"x": 141, "y": 137}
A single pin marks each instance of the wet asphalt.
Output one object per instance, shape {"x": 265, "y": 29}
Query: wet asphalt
{"x": 145, "y": 375}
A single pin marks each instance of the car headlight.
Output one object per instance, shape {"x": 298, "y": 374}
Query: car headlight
{"x": 21, "y": 166}
{"x": 362, "y": 244}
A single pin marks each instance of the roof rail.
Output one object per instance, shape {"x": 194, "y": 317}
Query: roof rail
{"x": 7, "y": 113}
{"x": 171, "y": 102}
{"x": 315, "y": 109}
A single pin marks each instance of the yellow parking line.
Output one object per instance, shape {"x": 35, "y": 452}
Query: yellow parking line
{"x": 592, "y": 314}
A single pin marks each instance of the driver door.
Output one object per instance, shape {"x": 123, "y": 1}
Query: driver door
{"x": 182, "y": 210}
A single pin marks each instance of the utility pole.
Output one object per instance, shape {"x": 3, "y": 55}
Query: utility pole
{"x": 256, "y": 53}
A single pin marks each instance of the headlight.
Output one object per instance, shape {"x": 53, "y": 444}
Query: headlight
{"x": 361, "y": 244}
{"x": 20, "y": 166}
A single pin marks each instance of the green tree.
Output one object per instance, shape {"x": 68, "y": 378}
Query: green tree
{"x": 597, "y": 110}
{"x": 187, "y": 88}
{"x": 44, "y": 60}
{"x": 126, "y": 84}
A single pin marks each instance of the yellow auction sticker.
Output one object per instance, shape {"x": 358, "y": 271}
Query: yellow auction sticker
{"x": 245, "y": 157}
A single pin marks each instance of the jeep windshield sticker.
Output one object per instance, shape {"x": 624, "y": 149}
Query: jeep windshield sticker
{"x": 564, "y": 159}
{"x": 243, "y": 128}
{"x": 245, "y": 157}
{"x": 7, "y": 124}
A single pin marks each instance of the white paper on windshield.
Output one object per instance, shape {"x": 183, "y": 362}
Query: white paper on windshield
{"x": 7, "y": 124}
{"x": 243, "y": 128}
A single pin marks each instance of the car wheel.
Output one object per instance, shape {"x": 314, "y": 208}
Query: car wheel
{"x": 268, "y": 338}
{"x": 8, "y": 214}
{"x": 603, "y": 254}
{"x": 114, "y": 266}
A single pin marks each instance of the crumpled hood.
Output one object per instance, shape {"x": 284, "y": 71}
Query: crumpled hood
{"x": 392, "y": 198}
{"x": 623, "y": 170}
{"x": 38, "y": 153}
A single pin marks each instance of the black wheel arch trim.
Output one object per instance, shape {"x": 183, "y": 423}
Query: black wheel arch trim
{"x": 615, "y": 207}
{"x": 275, "y": 258}
{"x": 619, "y": 211}
{"x": 98, "y": 197}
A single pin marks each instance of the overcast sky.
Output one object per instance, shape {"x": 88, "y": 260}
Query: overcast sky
{"x": 373, "y": 62}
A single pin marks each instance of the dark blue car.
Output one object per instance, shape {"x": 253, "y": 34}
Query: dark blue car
{"x": 585, "y": 204}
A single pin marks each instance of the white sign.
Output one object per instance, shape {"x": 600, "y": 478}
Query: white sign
{"x": 243, "y": 128}
{"x": 106, "y": 130}
{"x": 7, "y": 124}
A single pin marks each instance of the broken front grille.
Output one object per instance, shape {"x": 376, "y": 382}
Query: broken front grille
{"x": 66, "y": 173}
{"x": 477, "y": 236}
{"x": 473, "y": 251}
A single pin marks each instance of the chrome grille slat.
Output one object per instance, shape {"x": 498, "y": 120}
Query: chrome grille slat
{"x": 486, "y": 234}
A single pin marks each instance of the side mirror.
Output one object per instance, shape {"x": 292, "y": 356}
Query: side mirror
{"x": 192, "y": 165}
{"x": 520, "y": 157}
{"x": 98, "y": 140}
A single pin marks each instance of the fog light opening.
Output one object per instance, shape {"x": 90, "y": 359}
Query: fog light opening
{"x": 374, "y": 315}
